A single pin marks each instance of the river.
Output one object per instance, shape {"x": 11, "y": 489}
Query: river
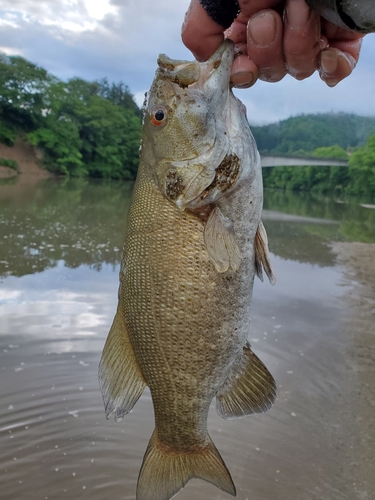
{"x": 59, "y": 262}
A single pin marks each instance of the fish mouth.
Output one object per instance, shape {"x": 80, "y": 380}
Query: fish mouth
{"x": 214, "y": 72}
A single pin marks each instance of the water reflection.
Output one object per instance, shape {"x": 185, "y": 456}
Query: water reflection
{"x": 82, "y": 222}
{"x": 354, "y": 221}
{"x": 58, "y": 293}
{"x": 77, "y": 222}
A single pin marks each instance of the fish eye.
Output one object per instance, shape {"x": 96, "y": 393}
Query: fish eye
{"x": 159, "y": 116}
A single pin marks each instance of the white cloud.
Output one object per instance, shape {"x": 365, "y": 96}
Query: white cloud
{"x": 11, "y": 51}
{"x": 97, "y": 9}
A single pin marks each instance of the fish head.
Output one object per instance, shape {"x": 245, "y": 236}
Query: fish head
{"x": 186, "y": 125}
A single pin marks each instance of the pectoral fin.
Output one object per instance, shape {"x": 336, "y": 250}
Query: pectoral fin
{"x": 249, "y": 389}
{"x": 120, "y": 379}
{"x": 262, "y": 256}
{"x": 220, "y": 242}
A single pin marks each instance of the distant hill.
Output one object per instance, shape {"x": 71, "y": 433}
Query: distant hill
{"x": 305, "y": 133}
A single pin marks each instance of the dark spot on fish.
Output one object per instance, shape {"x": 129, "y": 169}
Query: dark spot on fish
{"x": 177, "y": 79}
{"x": 174, "y": 185}
{"x": 217, "y": 64}
{"x": 226, "y": 173}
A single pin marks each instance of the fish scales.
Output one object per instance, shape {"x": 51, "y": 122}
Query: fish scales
{"x": 185, "y": 291}
{"x": 175, "y": 323}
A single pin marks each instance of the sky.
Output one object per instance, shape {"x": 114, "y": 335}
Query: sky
{"x": 120, "y": 40}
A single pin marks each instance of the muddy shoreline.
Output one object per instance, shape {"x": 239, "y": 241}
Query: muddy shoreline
{"x": 358, "y": 261}
{"x": 27, "y": 157}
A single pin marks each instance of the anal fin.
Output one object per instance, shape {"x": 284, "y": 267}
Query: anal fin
{"x": 120, "y": 379}
{"x": 221, "y": 242}
{"x": 262, "y": 256}
{"x": 249, "y": 389}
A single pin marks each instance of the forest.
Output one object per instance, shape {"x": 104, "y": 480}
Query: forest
{"x": 93, "y": 129}
{"x": 84, "y": 128}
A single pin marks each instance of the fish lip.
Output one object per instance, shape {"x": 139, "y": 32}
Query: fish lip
{"x": 226, "y": 46}
{"x": 218, "y": 66}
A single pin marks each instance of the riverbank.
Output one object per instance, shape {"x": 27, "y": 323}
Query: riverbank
{"x": 27, "y": 157}
{"x": 358, "y": 261}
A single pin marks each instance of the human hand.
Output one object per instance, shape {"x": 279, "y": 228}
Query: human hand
{"x": 273, "y": 38}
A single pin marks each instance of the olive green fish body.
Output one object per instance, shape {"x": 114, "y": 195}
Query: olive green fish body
{"x": 191, "y": 320}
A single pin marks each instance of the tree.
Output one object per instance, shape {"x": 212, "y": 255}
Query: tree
{"x": 22, "y": 89}
{"x": 335, "y": 152}
{"x": 362, "y": 170}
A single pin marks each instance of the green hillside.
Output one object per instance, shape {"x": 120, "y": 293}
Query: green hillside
{"x": 338, "y": 136}
{"x": 305, "y": 133}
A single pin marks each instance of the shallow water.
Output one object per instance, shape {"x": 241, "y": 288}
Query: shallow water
{"x": 59, "y": 263}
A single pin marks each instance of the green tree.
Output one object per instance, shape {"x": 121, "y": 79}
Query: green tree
{"x": 22, "y": 88}
{"x": 335, "y": 152}
{"x": 110, "y": 139}
{"x": 308, "y": 132}
{"x": 362, "y": 170}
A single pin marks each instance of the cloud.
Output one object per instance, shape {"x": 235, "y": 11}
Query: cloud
{"x": 120, "y": 39}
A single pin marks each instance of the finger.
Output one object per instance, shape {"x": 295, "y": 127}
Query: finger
{"x": 250, "y": 7}
{"x": 335, "y": 33}
{"x": 237, "y": 32}
{"x": 200, "y": 33}
{"x": 244, "y": 72}
{"x": 264, "y": 45}
{"x": 301, "y": 39}
{"x": 338, "y": 61}
{"x": 335, "y": 65}
{"x": 344, "y": 40}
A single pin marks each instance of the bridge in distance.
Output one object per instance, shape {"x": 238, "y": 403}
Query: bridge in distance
{"x": 292, "y": 161}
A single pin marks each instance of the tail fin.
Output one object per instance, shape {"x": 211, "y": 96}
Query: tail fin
{"x": 165, "y": 472}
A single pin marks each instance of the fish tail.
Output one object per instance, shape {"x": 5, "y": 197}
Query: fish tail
{"x": 165, "y": 472}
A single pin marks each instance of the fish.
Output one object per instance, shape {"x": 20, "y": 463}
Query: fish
{"x": 194, "y": 243}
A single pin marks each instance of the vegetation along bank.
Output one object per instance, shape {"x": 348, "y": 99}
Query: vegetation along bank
{"x": 82, "y": 128}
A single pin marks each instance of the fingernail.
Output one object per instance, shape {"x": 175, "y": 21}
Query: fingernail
{"x": 328, "y": 61}
{"x": 297, "y": 15}
{"x": 242, "y": 80}
{"x": 262, "y": 29}
{"x": 331, "y": 83}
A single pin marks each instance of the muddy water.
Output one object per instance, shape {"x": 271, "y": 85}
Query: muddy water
{"x": 59, "y": 262}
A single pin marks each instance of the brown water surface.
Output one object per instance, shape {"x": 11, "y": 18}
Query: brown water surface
{"x": 59, "y": 263}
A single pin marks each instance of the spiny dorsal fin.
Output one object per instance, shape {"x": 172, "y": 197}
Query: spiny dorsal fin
{"x": 120, "y": 379}
{"x": 262, "y": 256}
{"x": 249, "y": 389}
{"x": 221, "y": 242}
{"x": 165, "y": 472}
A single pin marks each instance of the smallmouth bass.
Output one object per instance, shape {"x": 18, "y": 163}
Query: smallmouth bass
{"x": 194, "y": 242}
